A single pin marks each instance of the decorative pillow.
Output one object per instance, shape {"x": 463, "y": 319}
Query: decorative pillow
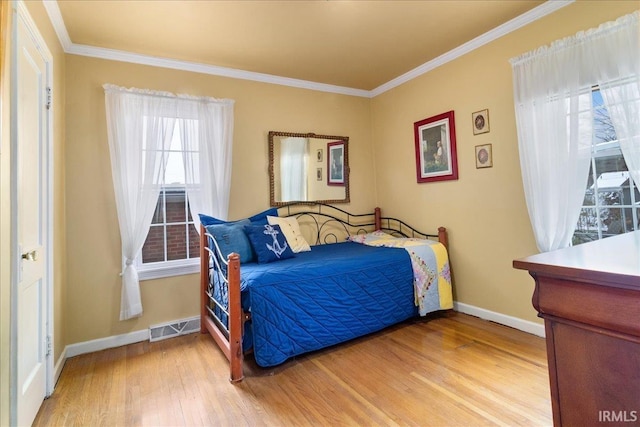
{"x": 370, "y": 237}
{"x": 291, "y": 230}
{"x": 260, "y": 218}
{"x": 232, "y": 238}
{"x": 268, "y": 242}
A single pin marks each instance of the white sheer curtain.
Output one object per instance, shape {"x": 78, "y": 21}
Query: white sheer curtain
{"x": 206, "y": 132}
{"x": 293, "y": 168}
{"x": 620, "y": 86}
{"x": 139, "y": 128}
{"x": 552, "y": 93}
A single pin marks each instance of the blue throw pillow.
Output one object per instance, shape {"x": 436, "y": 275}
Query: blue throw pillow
{"x": 209, "y": 220}
{"x": 232, "y": 238}
{"x": 268, "y": 243}
{"x": 260, "y": 218}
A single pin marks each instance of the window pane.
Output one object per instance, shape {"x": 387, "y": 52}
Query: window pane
{"x": 158, "y": 215}
{"x": 587, "y": 227}
{"x": 613, "y": 221}
{"x": 176, "y": 205}
{"x": 630, "y": 195}
{"x": 194, "y": 242}
{"x": 176, "y": 242}
{"x": 153, "y": 249}
{"x": 589, "y": 198}
{"x": 613, "y": 162}
{"x": 174, "y": 173}
{"x": 610, "y": 196}
{"x": 630, "y": 224}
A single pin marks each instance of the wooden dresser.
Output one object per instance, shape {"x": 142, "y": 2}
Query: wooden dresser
{"x": 589, "y": 298}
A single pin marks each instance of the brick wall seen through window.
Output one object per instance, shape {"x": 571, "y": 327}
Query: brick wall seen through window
{"x": 172, "y": 235}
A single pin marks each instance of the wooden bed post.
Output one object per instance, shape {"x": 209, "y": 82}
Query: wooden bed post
{"x": 232, "y": 348}
{"x": 442, "y": 237}
{"x": 236, "y": 355}
{"x": 378, "y": 221}
{"x": 204, "y": 279}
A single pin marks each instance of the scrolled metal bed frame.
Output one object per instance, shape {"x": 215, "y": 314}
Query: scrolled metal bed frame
{"x": 321, "y": 223}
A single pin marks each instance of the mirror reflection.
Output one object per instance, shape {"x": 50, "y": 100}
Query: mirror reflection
{"x": 306, "y": 167}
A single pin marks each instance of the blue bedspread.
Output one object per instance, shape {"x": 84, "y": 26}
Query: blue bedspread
{"x": 329, "y": 295}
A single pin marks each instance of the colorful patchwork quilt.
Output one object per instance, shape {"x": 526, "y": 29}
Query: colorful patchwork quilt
{"x": 430, "y": 263}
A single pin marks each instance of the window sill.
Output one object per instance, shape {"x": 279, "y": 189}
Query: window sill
{"x": 168, "y": 269}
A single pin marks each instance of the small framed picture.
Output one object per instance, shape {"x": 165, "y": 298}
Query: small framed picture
{"x": 484, "y": 157}
{"x": 319, "y": 155}
{"x": 480, "y": 122}
{"x": 335, "y": 163}
{"x": 319, "y": 174}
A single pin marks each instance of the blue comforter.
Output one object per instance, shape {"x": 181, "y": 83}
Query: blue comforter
{"x": 329, "y": 295}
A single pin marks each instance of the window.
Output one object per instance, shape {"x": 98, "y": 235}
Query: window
{"x": 142, "y": 137}
{"x": 172, "y": 244}
{"x": 611, "y": 204}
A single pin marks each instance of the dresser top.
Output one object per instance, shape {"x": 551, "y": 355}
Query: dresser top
{"x": 614, "y": 261}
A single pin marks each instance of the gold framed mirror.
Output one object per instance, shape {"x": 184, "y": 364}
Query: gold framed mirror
{"x": 307, "y": 167}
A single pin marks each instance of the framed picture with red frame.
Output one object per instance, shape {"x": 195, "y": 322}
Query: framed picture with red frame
{"x": 335, "y": 163}
{"x": 435, "y": 146}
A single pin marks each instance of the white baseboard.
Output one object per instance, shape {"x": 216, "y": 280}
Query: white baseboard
{"x": 95, "y": 345}
{"x": 503, "y": 319}
{"x": 104, "y": 343}
{"x": 57, "y": 370}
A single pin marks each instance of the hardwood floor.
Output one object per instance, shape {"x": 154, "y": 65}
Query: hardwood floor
{"x": 447, "y": 371}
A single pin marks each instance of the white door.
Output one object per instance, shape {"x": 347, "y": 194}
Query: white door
{"x": 30, "y": 207}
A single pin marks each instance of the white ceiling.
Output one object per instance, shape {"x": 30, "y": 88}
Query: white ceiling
{"x": 357, "y": 47}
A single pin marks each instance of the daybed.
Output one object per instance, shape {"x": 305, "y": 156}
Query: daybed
{"x": 355, "y": 279}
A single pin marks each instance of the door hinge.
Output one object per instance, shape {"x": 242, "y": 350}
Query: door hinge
{"x": 49, "y": 98}
{"x": 48, "y": 346}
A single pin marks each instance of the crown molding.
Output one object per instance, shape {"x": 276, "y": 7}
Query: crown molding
{"x": 154, "y": 61}
{"x": 53, "y": 10}
{"x": 526, "y": 18}
{"x": 55, "y": 16}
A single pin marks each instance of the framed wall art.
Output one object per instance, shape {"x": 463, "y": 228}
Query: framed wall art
{"x": 335, "y": 163}
{"x": 484, "y": 156}
{"x": 435, "y": 146}
{"x": 319, "y": 156}
{"x": 318, "y": 174}
{"x": 480, "y": 122}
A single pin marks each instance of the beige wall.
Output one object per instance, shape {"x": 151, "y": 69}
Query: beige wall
{"x": 93, "y": 249}
{"x": 37, "y": 12}
{"x": 484, "y": 209}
